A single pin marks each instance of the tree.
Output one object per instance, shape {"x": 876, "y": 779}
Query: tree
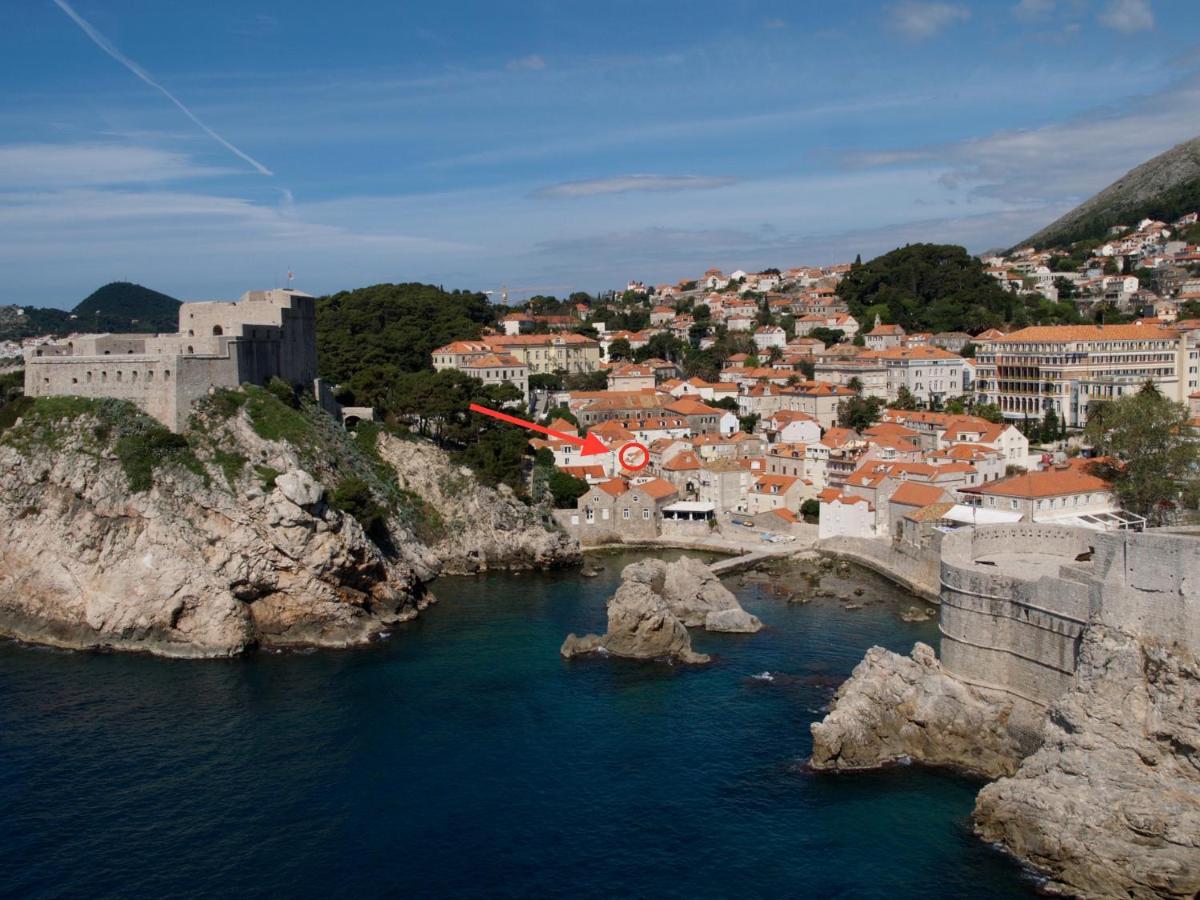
{"x": 810, "y": 509}
{"x": 859, "y": 413}
{"x": 855, "y": 384}
{"x": 827, "y": 336}
{"x": 1066, "y": 288}
{"x": 905, "y": 399}
{"x": 1049, "y": 426}
{"x": 807, "y": 368}
{"x": 774, "y": 354}
{"x": 586, "y": 381}
{"x": 1153, "y": 446}
{"x": 747, "y": 423}
{"x": 566, "y": 489}
{"x": 620, "y": 349}
{"x": 988, "y": 411}
{"x": 544, "y": 381}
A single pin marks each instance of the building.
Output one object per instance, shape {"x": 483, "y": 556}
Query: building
{"x": 884, "y": 337}
{"x": 499, "y": 368}
{"x": 1059, "y": 494}
{"x": 631, "y": 377}
{"x": 769, "y": 336}
{"x": 776, "y": 492}
{"x": 263, "y": 335}
{"x": 930, "y": 374}
{"x": 1068, "y": 367}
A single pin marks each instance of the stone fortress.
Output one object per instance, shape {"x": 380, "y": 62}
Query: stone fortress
{"x": 264, "y": 334}
{"x": 1017, "y": 598}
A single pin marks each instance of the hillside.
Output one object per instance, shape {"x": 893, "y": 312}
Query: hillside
{"x": 119, "y": 307}
{"x": 1165, "y": 188}
{"x": 122, "y": 306}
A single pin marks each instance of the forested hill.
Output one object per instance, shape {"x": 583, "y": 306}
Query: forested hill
{"x": 393, "y": 327}
{"x": 938, "y": 287}
{"x": 120, "y": 307}
{"x": 1164, "y": 188}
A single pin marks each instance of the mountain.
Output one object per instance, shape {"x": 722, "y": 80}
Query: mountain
{"x": 119, "y": 307}
{"x": 123, "y": 306}
{"x": 1163, "y": 188}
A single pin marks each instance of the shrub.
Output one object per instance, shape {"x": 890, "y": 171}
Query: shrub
{"x": 283, "y": 392}
{"x": 148, "y": 446}
{"x": 811, "y": 510}
{"x": 353, "y": 496}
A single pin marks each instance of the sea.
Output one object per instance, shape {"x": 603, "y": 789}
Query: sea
{"x": 462, "y": 757}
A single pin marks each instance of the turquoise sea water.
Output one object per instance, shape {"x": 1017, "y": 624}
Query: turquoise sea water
{"x": 462, "y": 757}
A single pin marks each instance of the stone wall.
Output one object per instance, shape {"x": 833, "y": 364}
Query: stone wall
{"x": 1016, "y": 623}
{"x": 916, "y": 570}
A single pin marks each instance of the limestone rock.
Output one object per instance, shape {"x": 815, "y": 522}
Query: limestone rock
{"x": 694, "y": 593}
{"x": 481, "y": 528}
{"x": 211, "y": 565}
{"x": 732, "y": 620}
{"x": 895, "y": 708}
{"x": 1110, "y": 804}
{"x": 641, "y": 625}
{"x": 300, "y": 487}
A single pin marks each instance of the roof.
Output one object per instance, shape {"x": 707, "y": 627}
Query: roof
{"x": 913, "y": 494}
{"x": 917, "y": 353}
{"x": 1054, "y": 482}
{"x": 682, "y": 461}
{"x": 494, "y": 361}
{"x": 1059, "y": 333}
{"x": 774, "y": 484}
{"x": 657, "y": 488}
{"x": 930, "y": 513}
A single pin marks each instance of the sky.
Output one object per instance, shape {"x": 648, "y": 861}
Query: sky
{"x": 205, "y": 149}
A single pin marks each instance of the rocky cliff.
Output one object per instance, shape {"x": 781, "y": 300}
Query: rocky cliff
{"x": 263, "y": 525}
{"x": 1110, "y": 804}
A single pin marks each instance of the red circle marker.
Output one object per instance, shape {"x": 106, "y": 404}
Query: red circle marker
{"x": 631, "y": 467}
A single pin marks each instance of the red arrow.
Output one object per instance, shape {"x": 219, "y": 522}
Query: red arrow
{"x": 591, "y": 444}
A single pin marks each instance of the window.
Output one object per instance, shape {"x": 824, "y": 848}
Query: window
{"x": 591, "y": 514}
{"x": 625, "y": 513}
{"x": 1014, "y": 503}
{"x": 645, "y": 514}
{"x": 166, "y": 374}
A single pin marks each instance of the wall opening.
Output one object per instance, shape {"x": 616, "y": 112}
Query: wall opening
{"x": 218, "y": 331}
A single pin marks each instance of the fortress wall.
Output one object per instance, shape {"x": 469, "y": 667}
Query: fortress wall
{"x": 1149, "y": 584}
{"x": 916, "y": 569}
{"x": 1019, "y": 628}
{"x": 1010, "y": 629}
{"x": 149, "y": 381}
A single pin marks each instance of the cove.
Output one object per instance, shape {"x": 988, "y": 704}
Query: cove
{"x": 463, "y": 757}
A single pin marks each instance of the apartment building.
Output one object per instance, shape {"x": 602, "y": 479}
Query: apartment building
{"x": 1067, "y": 367}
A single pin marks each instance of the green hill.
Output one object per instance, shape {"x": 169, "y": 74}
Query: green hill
{"x": 126, "y": 307}
{"x": 1164, "y": 188}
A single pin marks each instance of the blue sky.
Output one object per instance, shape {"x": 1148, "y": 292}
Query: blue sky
{"x": 556, "y": 146}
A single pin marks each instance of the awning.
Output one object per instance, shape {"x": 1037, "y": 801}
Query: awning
{"x": 977, "y": 515}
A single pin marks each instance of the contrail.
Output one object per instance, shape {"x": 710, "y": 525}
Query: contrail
{"x": 104, "y": 44}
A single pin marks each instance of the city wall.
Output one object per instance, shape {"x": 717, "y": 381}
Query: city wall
{"x": 1014, "y": 624}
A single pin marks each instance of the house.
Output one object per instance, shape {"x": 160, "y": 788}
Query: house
{"x": 776, "y": 491}
{"x": 499, "y": 368}
{"x": 702, "y": 418}
{"x": 683, "y": 471}
{"x": 631, "y": 377}
{"x": 619, "y": 510}
{"x": 912, "y": 496}
{"x": 844, "y": 515}
{"x": 791, "y": 426}
{"x": 770, "y": 336}
{"x": 725, "y": 483}
{"x": 1060, "y": 494}
{"x": 884, "y": 337}
{"x": 661, "y": 315}
{"x": 930, "y": 374}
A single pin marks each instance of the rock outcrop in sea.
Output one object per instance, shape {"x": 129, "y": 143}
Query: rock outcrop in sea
{"x": 263, "y": 525}
{"x": 897, "y": 708}
{"x": 649, "y": 615}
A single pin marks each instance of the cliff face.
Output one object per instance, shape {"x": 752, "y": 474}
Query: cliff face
{"x": 1111, "y": 802}
{"x": 113, "y": 536}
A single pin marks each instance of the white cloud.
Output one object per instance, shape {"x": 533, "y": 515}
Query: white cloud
{"x": 918, "y": 20}
{"x": 1128, "y": 16}
{"x": 1064, "y": 161}
{"x": 531, "y": 63}
{"x": 75, "y": 165}
{"x": 775, "y": 24}
{"x": 626, "y": 183}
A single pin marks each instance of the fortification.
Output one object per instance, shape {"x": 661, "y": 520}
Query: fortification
{"x": 1016, "y": 599}
{"x": 264, "y": 334}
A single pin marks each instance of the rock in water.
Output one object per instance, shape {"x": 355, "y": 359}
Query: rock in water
{"x": 1110, "y": 804}
{"x": 694, "y": 593}
{"x": 641, "y": 625}
{"x": 895, "y": 708}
